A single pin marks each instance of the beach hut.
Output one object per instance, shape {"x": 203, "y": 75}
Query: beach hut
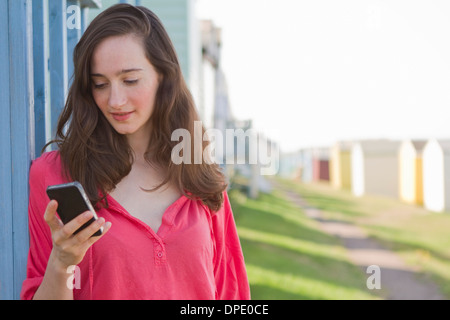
{"x": 410, "y": 171}
{"x": 436, "y": 175}
{"x": 320, "y": 161}
{"x": 307, "y": 164}
{"x": 291, "y": 165}
{"x": 375, "y": 167}
{"x": 340, "y": 165}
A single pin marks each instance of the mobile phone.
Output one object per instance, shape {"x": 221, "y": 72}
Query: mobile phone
{"x": 72, "y": 201}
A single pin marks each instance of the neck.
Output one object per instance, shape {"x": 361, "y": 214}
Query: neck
{"x": 139, "y": 144}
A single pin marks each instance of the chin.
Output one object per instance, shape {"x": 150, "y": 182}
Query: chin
{"x": 123, "y": 131}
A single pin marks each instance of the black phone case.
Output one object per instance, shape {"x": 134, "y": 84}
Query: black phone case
{"x": 72, "y": 201}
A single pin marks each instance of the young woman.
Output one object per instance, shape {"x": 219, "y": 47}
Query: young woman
{"x": 168, "y": 230}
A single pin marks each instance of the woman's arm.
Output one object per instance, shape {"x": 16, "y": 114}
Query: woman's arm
{"x": 54, "y": 285}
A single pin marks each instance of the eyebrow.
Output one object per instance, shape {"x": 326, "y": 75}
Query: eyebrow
{"x": 118, "y": 73}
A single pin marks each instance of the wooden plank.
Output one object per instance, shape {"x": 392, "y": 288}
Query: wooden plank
{"x": 84, "y": 19}
{"x": 6, "y": 238}
{"x": 73, "y": 22}
{"x": 22, "y": 128}
{"x": 58, "y": 60}
{"x": 41, "y": 75}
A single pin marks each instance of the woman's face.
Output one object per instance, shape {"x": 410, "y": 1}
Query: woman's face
{"x": 124, "y": 85}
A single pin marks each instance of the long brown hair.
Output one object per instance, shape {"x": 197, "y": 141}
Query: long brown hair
{"x": 96, "y": 155}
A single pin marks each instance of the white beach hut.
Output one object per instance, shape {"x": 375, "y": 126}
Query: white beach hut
{"x": 436, "y": 175}
{"x": 307, "y": 164}
{"x": 375, "y": 167}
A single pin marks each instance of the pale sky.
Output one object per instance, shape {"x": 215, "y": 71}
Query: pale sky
{"x": 313, "y": 72}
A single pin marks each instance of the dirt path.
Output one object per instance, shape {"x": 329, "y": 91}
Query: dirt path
{"x": 398, "y": 281}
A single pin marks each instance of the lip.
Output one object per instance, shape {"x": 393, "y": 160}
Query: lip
{"x": 121, "y": 116}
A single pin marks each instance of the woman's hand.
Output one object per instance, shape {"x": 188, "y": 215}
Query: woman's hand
{"x": 69, "y": 248}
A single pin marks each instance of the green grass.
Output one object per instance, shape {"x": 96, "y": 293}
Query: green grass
{"x": 420, "y": 237}
{"x": 288, "y": 257}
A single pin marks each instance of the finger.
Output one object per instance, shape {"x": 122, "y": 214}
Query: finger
{"x": 50, "y": 216}
{"x": 86, "y": 233}
{"x": 74, "y": 224}
{"x": 106, "y": 228}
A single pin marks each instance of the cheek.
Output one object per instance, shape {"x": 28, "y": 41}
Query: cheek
{"x": 144, "y": 99}
{"x": 101, "y": 101}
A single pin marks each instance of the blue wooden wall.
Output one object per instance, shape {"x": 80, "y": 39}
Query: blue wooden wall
{"x": 16, "y": 140}
{"x": 36, "y": 46}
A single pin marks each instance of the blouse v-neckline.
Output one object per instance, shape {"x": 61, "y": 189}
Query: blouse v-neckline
{"x": 167, "y": 217}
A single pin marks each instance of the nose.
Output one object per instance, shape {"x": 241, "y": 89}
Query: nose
{"x": 117, "y": 97}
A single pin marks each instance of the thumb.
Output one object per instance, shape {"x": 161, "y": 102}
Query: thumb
{"x": 50, "y": 216}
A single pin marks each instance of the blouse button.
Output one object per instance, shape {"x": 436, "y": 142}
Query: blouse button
{"x": 159, "y": 254}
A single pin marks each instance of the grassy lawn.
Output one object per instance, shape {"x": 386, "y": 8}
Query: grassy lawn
{"x": 288, "y": 257}
{"x": 420, "y": 237}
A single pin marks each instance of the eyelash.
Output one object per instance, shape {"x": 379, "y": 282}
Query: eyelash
{"x": 131, "y": 82}
{"x": 99, "y": 86}
{"x": 103, "y": 85}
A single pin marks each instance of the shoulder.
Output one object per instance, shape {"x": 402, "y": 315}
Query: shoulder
{"x": 46, "y": 167}
{"x": 224, "y": 212}
{"x": 47, "y": 160}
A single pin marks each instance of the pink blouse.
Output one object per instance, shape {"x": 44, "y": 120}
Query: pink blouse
{"x": 195, "y": 254}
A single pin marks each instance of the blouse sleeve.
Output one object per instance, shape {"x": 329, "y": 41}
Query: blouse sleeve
{"x": 229, "y": 267}
{"x": 40, "y": 235}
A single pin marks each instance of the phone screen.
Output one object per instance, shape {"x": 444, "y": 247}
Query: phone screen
{"x": 72, "y": 201}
